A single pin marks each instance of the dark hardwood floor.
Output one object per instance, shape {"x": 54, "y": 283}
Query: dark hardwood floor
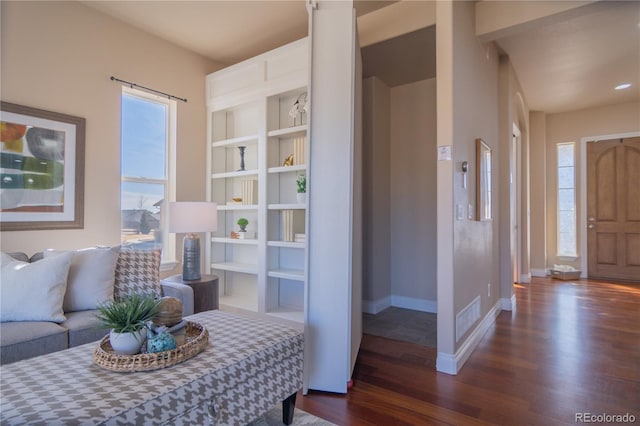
{"x": 569, "y": 347}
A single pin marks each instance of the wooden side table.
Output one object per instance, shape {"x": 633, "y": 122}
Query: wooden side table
{"x": 205, "y": 291}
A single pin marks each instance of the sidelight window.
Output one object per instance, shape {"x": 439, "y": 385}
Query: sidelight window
{"x": 567, "y": 238}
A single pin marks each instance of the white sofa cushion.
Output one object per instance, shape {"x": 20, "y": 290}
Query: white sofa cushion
{"x": 91, "y": 277}
{"x": 34, "y": 291}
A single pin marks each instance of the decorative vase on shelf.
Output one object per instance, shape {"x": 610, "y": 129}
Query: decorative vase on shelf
{"x": 302, "y": 197}
{"x": 242, "y": 148}
{"x": 128, "y": 343}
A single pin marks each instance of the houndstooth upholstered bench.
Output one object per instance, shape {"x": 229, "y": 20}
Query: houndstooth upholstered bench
{"x": 248, "y": 366}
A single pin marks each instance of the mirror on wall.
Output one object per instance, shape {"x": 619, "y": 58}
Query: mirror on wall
{"x": 483, "y": 181}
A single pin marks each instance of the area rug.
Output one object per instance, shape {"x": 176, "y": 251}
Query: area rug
{"x": 274, "y": 417}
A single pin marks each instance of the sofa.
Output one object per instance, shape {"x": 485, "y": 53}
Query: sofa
{"x": 49, "y": 300}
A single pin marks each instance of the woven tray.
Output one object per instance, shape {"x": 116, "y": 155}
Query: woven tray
{"x": 196, "y": 340}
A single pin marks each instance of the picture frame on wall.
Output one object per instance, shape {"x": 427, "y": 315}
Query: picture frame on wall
{"x": 42, "y": 169}
{"x": 483, "y": 181}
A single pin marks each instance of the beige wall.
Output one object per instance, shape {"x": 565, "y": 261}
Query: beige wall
{"x": 58, "y": 56}
{"x": 376, "y": 194}
{"x": 514, "y": 248}
{"x": 475, "y": 115}
{"x": 400, "y": 190}
{"x": 538, "y": 177}
{"x": 413, "y": 192}
{"x": 572, "y": 127}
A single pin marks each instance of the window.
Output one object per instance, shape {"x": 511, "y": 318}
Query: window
{"x": 147, "y": 157}
{"x": 567, "y": 244}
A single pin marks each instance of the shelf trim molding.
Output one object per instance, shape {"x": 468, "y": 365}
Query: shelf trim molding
{"x": 286, "y": 206}
{"x": 239, "y": 173}
{"x": 288, "y": 169}
{"x": 235, "y": 267}
{"x": 227, "y": 240}
{"x": 288, "y": 274}
{"x": 286, "y": 244}
{"x": 248, "y": 140}
{"x": 290, "y": 132}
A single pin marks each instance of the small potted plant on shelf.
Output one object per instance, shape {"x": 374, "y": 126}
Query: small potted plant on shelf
{"x": 242, "y": 223}
{"x": 127, "y": 319}
{"x": 301, "y": 183}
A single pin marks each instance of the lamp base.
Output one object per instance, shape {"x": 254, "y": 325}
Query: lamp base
{"x": 191, "y": 258}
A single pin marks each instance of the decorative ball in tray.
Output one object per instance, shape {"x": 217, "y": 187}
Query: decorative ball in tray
{"x": 191, "y": 338}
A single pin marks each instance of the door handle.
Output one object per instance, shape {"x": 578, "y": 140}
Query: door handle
{"x": 591, "y": 226}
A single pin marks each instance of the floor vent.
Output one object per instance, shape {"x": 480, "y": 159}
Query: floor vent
{"x": 467, "y": 317}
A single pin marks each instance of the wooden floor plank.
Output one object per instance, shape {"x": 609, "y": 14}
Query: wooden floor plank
{"x": 569, "y": 347}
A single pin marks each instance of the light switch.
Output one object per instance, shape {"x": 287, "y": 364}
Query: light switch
{"x": 470, "y": 213}
{"x": 459, "y": 212}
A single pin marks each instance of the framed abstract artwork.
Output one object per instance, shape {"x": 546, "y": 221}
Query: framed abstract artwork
{"x": 42, "y": 169}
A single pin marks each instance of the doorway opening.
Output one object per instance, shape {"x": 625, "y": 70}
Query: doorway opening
{"x": 399, "y": 187}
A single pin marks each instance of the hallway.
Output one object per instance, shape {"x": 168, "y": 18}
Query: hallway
{"x": 568, "y": 348}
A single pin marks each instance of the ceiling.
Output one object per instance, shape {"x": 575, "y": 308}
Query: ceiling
{"x": 403, "y": 59}
{"x": 562, "y": 66}
{"x": 576, "y": 63}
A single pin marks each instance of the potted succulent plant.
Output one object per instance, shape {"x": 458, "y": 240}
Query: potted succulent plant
{"x": 301, "y": 183}
{"x": 127, "y": 320}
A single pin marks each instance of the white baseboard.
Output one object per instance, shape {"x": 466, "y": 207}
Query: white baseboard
{"x": 415, "y": 304}
{"x": 450, "y": 363}
{"x": 525, "y": 278}
{"x": 376, "y": 306}
{"x": 508, "y": 304}
{"x": 535, "y": 272}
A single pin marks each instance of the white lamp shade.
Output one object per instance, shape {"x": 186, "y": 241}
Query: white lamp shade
{"x": 192, "y": 216}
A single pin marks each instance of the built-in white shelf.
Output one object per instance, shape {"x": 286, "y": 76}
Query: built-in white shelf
{"x": 289, "y": 132}
{"x": 251, "y": 242}
{"x": 238, "y": 207}
{"x": 245, "y": 268}
{"x": 288, "y": 274}
{"x": 287, "y": 169}
{"x": 238, "y": 173}
{"x": 286, "y": 244}
{"x": 286, "y": 206}
{"x": 244, "y": 112}
{"x": 288, "y": 314}
{"x": 239, "y": 141}
{"x": 239, "y": 301}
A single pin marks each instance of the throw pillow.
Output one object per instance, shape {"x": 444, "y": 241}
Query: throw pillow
{"x": 7, "y": 258}
{"x": 138, "y": 271}
{"x": 34, "y": 291}
{"x": 10, "y": 257}
{"x": 91, "y": 277}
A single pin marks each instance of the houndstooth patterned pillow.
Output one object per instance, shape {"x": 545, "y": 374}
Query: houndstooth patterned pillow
{"x": 137, "y": 271}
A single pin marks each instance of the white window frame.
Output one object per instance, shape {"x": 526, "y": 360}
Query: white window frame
{"x": 573, "y": 255}
{"x": 169, "y": 239}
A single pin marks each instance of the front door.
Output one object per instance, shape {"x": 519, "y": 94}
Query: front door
{"x": 613, "y": 209}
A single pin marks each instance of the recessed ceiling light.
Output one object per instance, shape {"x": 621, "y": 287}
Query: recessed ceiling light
{"x": 623, "y": 86}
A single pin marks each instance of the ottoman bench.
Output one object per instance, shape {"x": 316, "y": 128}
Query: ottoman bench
{"x": 248, "y": 366}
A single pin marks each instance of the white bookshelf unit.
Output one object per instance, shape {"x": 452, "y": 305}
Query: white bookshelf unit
{"x": 250, "y": 105}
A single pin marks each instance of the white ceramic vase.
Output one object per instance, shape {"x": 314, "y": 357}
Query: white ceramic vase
{"x": 127, "y": 343}
{"x": 302, "y": 197}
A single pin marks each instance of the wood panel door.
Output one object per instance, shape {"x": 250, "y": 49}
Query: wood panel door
{"x": 613, "y": 209}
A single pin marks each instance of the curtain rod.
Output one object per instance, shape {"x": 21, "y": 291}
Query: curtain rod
{"x": 157, "y": 92}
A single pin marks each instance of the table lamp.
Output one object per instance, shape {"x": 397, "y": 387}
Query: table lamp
{"x": 191, "y": 217}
